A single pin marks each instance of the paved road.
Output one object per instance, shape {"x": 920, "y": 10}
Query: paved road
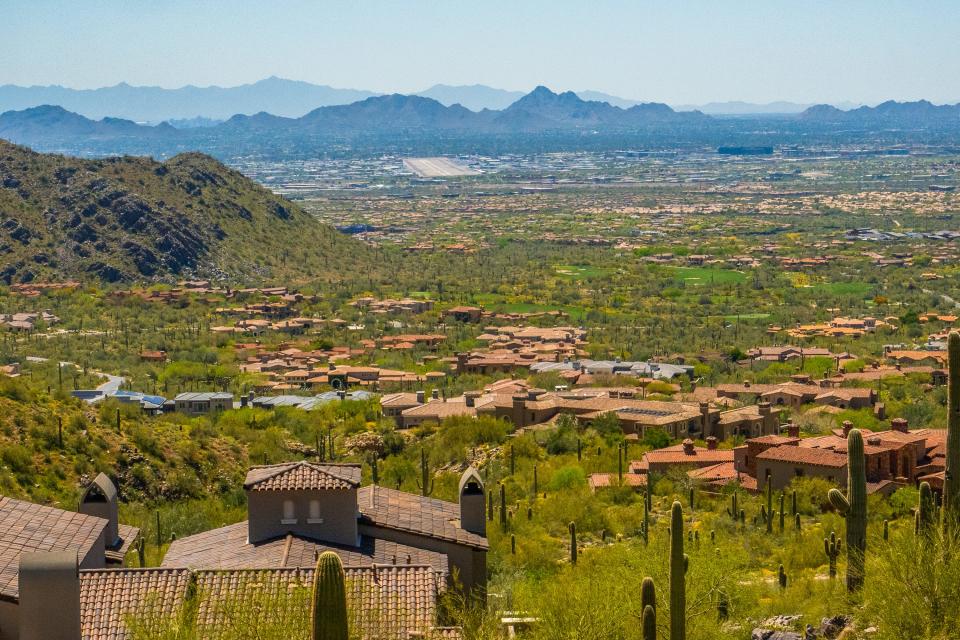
{"x": 945, "y": 298}
{"x": 112, "y": 384}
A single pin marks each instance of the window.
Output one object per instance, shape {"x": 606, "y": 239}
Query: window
{"x": 314, "y": 517}
{"x": 798, "y": 472}
{"x": 289, "y": 513}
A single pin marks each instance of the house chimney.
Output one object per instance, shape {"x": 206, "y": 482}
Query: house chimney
{"x": 471, "y": 398}
{"x": 847, "y": 425}
{"x": 243, "y": 401}
{"x": 711, "y": 443}
{"x": 793, "y": 429}
{"x": 705, "y": 417}
{"x": 100, "y": 500}
{"x": 49, "y": 606}
{"x": 899, "y": 424}
{"x": 764, "y": 408}
{"x": 435, "y": 394}
{"x": 472, "y": 503}
{"x": 688, "y": 447}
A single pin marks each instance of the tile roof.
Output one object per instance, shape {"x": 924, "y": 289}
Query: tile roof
{"x": 677, "y": 455}
{"x": 391, "y": 509}
{"x": 603, "y": 480}
{"x": 805, "y": 455}
{"x": 302, "y": 476}
{"x": 227, "y": 548}
{"x": 109, "y": 597}
{"x": 26, "y": 527}
{"x": 382, "y": 601}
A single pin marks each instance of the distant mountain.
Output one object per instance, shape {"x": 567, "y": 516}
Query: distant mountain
{"x": 919, "y": 114}
{"x": 282, "y": 97}
{"x": 475, "y": 97}
{"x": 616, "y": 101}
{"x": 45, "y": 124}
{"x": 122, "y": 219}
{"x": 739, "y": 108}
{"x": 544, "y": 109}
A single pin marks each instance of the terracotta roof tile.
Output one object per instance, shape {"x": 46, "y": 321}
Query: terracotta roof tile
{"x": 382, "y": 601}
{"x": 302, "y": 475}
{"x": 227, "y": 548}
{"x": 109, "y": 597}
{"x": 391, "y": 509}
{"x": 26, "y": 527}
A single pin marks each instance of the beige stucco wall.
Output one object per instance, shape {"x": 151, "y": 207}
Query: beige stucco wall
{"x": 338, "y": 512}
{"x": 782, "y": 473}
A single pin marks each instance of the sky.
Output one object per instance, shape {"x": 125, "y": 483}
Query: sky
{"x": 673, "y": 51}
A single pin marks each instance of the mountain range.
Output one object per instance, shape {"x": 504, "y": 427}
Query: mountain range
{"x": 189, "y": 105}
{"x": 124, "y": 219}
{"x": 50, "y": 127}
{"x": 418, "y": 124}
{"x": 290, "y": 98}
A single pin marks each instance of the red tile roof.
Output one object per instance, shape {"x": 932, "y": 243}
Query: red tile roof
{"x": 391, "y": 509}
{"x": 227, "y": 548}
{"x": 805, "y": 455}
{"x": 302, "y": 476}
{"x": 27, "y": 527}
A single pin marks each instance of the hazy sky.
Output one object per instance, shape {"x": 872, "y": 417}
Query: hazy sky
{"x": 675, "y": 51}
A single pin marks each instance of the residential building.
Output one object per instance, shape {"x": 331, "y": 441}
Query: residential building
{"x": 203, "y": 402}
{"x": 296, "y": 510}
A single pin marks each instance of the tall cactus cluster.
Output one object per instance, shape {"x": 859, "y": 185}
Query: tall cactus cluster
{"x": 328, "y": 615}
{"x": 926, "y": 509}
{"x": 951, "y": 481}
{"x": 678, "y": 570}
{"x": 648, "y": 607}
{"x": 853, "y": 506}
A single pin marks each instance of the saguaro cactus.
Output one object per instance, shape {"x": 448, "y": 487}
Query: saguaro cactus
{"x": 646, "y": 523}
{"x": 733, "y": 511}
{"x": 854, "y": 508}
{"x": 768, "y": 515}
{"x": 425, "y": 483}
{"x": 926, "y": 509}
{"x": 832, "y": 548}
{"x": 649, "y": 623}
{"x": 573, "y": 542}
{"x": 503, "y": 507}
{"x": 782, "y": 577}
{"x": 648, "y": 604}
{"x": 678, "y": 570}
{"x": 328, "y": 612}
{"x": 951, "y": 476}
{"x": 781, "y": 512}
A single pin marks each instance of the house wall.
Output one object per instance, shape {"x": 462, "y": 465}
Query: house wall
{"x": 469, "y": 565}
{"x": 338, "y": 515}
{"x": 9, "y": 621}
{"x": 95, "y": 558}
{"x": 782, "y": 473}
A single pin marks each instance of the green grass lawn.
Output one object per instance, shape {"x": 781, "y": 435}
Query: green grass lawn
{"x": 577, "y": 271}
{"x": 708, "y": 275}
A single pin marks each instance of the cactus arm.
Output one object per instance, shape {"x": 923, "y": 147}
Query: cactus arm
{"x": 839, "y": 501}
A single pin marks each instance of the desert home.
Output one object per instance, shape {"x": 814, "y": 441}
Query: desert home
{"x": 400, "y": 553}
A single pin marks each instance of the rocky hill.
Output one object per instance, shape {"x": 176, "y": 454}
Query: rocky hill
{"x": 124, "y": 219}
